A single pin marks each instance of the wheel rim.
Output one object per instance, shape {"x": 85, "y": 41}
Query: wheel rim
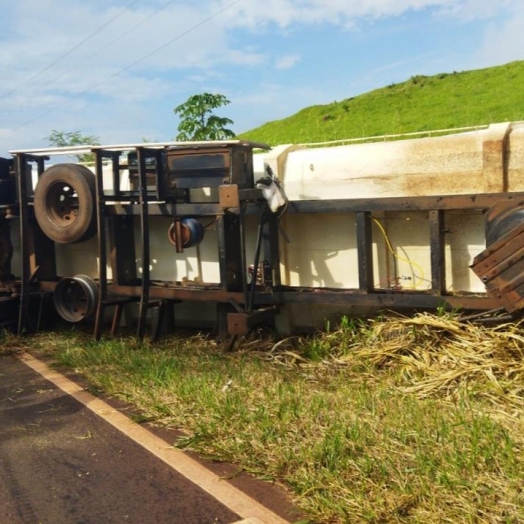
{"x": 62, "y": 204}
{"x": 75, "y": 298}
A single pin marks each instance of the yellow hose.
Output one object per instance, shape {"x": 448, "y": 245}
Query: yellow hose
{"x": 407, "y": 260}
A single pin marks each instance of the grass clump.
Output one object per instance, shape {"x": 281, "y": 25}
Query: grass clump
{"x": 395, "y": 419}
{"x": 9, "y": 344}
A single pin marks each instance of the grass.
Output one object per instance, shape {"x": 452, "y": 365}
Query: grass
{"x": 422, "y": 103}
{"x": 391, "y": 420}
{"x": 10, "y": 345}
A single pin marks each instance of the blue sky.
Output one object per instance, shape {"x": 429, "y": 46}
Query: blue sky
{"x": 116, "y": 69}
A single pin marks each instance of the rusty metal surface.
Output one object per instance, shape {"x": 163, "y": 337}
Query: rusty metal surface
{"x": 442, "y": 202}
{"x": 495, "y": 153}
{"x": 437, "y": 242}
{"x": 294, "y": 295}
{"x": 412, "y": 203}
{"x": 228, "y": 196}
{"x": 243, "y": 323}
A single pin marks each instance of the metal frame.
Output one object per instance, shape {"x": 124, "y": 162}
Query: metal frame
{"x": 240, "y": 305}
{"x": 36, "y": 251}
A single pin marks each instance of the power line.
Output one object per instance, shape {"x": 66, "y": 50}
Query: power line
{"x": 125, "y": 33}
{"x": 74, "y": 48}
{"x": 163, "y": 46}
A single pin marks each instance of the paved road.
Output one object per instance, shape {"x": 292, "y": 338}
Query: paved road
{"x": 61, "y": 463}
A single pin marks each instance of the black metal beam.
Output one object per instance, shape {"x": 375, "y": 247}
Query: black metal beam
{"x": 21, "y": 170}
{"x": 365, "y": 251}
{"x": 144, "y": 229}
{"x": 349, "y": 298}
{"x": 115, "y": 164}
{"x": 437, "y": 242}
{"x": 102, "y": 254}
{"x": 271, "y": 238}
{"x": 123, "y": 252}
{"x": 301, "y": 295}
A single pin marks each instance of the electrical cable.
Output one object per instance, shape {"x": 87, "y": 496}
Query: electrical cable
{"x": 103, "y": 48}
{"x": 402, "y": 259}
{"x": 74, "y": 48}
{"x": 178, "y": 37}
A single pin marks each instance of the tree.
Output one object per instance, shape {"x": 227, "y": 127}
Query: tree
{"x": 197, "y": 120}
{"x": 75, "y": 138}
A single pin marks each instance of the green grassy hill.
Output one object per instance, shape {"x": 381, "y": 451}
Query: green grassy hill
{"x": 422, "y": 103}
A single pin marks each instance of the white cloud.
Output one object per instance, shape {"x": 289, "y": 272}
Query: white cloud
{"x": 285, "y": 13}
{"x": 287, "y": 61}
{"x": 474, "y": 9}
{"x": 191, "y": 36}
{"x": 178, "y": 37}
{"x": 49, "y": 70}
{"x": 504, "y": 41}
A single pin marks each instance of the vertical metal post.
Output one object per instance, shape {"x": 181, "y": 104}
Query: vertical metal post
{"x": 232, "y": 277}
{"x": 40, "y": 162}
{"x": 437, "y": 242}
{"x": 123, "y": 252}
{"x": 115, "y": 162}
{"x": 272, "y": 248}
{"x": 365, "y": 251}
{"x": 222, "y": 255}
{"x": 21, "y": 170}
{"x": 243, "y": 254}
{"x": 144, "y": 228}
{"x": 222, "y": 309}
{"x": 230, "y": 252}
{"x": 160, "y": 175}
{"x": 102, "y": 255}
{"x": 41, "y": 253}
{"x": 249, "y": 303}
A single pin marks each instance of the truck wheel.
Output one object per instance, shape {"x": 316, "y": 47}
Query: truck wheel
{"x": 503, "y": 224}
{"x": 65, "y": 203}
{"x": 76, "y": 298}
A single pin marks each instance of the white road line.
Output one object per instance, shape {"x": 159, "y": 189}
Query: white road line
{"x": 237, "y": 501}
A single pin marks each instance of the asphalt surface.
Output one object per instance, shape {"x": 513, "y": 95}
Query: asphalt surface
{"x": 61, "y": 463}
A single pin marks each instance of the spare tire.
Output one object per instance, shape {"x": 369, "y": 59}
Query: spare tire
{"x": 65, "y": 203}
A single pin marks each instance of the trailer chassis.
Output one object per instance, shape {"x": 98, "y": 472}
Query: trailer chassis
{"x": 241, "y": 305}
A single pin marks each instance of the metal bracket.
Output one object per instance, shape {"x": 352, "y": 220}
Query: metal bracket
{"x": 243, "y": 323}
{"x": 229, "y": 197}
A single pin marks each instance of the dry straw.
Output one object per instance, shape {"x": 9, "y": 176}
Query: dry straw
{"x": 438, "y": 354}
{"x": 432, "y": 355}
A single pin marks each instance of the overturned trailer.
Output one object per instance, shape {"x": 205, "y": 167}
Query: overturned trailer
{"x": 211, "y": 231}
